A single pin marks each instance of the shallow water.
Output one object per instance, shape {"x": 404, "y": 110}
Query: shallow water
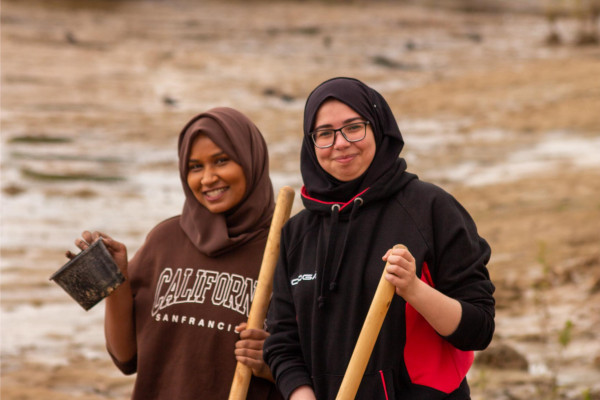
{"x": 107, "y": 96}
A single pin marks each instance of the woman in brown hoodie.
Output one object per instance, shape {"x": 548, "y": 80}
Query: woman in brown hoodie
{"x": 188, "y": 289}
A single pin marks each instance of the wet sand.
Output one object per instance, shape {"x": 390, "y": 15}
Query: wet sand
{"x": 94, "y": 94}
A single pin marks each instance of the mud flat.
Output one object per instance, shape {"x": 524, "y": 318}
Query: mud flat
{"x": 94, "y": 94}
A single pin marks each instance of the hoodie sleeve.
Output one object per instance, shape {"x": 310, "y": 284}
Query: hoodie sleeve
{"x": 460, "y": 259}
{"x": 282, "y": 350}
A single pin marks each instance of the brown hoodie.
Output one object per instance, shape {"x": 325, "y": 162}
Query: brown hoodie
{"x": 194, "y": 278}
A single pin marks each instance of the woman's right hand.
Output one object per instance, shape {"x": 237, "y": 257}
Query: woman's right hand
{"x": 117, "y": 250}
{"x": 119, "y": 327}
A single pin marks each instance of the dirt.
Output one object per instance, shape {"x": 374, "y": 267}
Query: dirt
{"x": 94, "y": 94}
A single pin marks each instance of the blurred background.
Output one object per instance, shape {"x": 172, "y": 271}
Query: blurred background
{"x": 498, "y": 102}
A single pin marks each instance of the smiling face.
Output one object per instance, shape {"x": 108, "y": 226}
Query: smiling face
{"x": 344, "y": 161}
{"x": 217, "y": 181}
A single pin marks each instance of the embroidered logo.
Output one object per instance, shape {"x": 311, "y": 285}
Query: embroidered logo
{"x": 303, "y": 277}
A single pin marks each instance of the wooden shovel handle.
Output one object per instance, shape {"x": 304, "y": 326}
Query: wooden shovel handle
{"x": 264, "y": 287}
{"x": 367, "y": 338}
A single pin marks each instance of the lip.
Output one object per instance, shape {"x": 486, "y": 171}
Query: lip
{"x": 345, "y": 159}
{"x": 215, "y": 194}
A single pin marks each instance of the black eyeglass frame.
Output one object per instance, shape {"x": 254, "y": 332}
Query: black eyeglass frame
{"x": 340, "y": 130}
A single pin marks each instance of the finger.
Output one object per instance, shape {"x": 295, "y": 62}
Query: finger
{"x": 400, "y": 253}
{"x": 81, "y": 243}
{"x": 96, "y": 236}
{"x": 251, "y": 363}
{"x": 241, "y": 327}
{"x": 111, "y": 244}
{"x": 399, "y": 284}
{"x": 404, "y": 253}
{"x": 249, "y": 353}
{"x": 394, "y": 260}
{"x": 254, "y": 334}
{"x": 397, "y": 277}
{"x": 103, "y": 235}
{"x": 386, "y": 255}
{"x": 249, "y": 344}
{"x": 69, "y": 255}
{"x": 402, "y": 271}
{"x": 87, "y": 237}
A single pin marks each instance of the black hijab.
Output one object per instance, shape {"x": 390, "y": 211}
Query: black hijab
{"x": 369, "y": 104}
{"x": 240, "y": 139}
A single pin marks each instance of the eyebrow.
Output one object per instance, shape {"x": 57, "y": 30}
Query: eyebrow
{"x": 347, "y": 121}
{"x": 222, "y": 153}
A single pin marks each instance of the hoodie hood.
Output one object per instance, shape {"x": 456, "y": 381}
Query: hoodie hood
{"x": 369, "y": 104}
{"x": 240, "y": 139}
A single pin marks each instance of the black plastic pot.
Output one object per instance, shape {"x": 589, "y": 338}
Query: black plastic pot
{"x": 90, "y": 276}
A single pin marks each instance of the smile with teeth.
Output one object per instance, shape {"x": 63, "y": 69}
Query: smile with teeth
{"x": 214, "y": 194}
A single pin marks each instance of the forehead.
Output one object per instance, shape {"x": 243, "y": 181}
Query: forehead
{"x": 203, "y": 145}
{"x": 333, "y": 111}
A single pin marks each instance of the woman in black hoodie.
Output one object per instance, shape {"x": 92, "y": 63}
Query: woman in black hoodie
{"x": 360, "y": 201}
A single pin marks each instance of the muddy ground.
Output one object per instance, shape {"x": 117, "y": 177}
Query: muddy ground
{"x": 94, "y": 94}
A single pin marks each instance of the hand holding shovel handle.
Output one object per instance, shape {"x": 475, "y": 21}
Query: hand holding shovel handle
{"x": 367, "y": 338}
{"x": 264, "y": 287}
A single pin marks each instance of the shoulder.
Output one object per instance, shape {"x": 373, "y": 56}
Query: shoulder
{"x": 168, "y": 228}
{"x": 419, "y": 194}
{"x": 299, "y": 223}
{"x": 298, "y": 227}
{"x": 421, "y": 188}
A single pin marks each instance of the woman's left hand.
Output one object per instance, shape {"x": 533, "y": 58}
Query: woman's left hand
{"x": 442, "y": 312}
{"x": 401, "y": 271}
{"x": 249, "y": 350}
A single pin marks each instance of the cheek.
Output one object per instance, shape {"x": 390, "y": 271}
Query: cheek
{"x": 369, "y": 154}
{"x": 322, "y": 155}
{"x": 192, "y": 180}
{"x": 368, "y": 148}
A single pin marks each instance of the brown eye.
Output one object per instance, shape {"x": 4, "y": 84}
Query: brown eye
{"x": 324, "y": 134}
{"x": 221, "y": 160}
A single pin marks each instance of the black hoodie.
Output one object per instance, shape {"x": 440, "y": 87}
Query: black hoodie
{"x": 330, "y": 265}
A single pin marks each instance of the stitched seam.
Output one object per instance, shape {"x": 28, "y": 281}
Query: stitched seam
{"x": 384, "y": 386}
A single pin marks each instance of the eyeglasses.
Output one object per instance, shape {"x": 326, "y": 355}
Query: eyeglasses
{"x": 354, "y": 132}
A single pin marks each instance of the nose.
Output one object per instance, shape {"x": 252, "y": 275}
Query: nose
{"x": 339, "y": 141}
{"x": 209, "y": 176}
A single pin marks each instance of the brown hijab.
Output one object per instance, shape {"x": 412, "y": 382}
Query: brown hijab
{"x": 240, "y": 139}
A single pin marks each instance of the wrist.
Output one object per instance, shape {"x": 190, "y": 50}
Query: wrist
{"x": 303, "y": 393}
{"x": 415, "y": 291}
{"x": 121, "y": 294}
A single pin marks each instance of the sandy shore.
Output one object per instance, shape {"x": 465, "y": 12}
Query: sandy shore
{"x": 94, "y": 94}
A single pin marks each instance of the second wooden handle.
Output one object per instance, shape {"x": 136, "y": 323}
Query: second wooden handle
{"x": 264, "y": 286}
{"x": 367, "y": 338}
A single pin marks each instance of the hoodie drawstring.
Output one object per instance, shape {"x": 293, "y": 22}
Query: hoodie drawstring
{"x": 357, "y": 203}
{"x": 335, "y": 212}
